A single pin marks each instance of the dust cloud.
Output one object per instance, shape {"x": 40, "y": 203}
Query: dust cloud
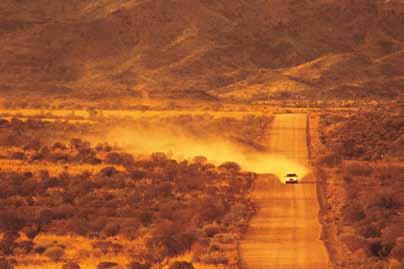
{"x": 180, "y": 145}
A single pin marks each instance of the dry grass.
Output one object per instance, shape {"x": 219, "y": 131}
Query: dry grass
{"x": 76, "y": 248}
{"x": 52, "y": 168}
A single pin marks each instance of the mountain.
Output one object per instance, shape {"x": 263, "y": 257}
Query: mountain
{"x": 201, "y": 49}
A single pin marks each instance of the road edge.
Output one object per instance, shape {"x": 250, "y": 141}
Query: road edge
{"x": 313, "y": 140}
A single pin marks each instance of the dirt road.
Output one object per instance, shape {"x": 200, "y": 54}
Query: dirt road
{"x": 285, "y": 233}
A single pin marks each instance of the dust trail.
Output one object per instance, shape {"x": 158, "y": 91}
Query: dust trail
{"x": 180, "y": 145}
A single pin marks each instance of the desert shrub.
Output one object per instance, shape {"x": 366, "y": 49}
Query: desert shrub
{"x": 6, "y": 264}
{"x": 116, "y": 158}
{"x": 109, "y": 171}
{"x": 375, "y": 264}
{"x": 44, "y": 174}
{"x": 18, "y": 155}
{"x": 45, "y": 216}
{"x": 211, "y": 230}
{"x": 395, "y": 264}
{"x": 87, "y": 155}
{"x": 112, "y": 229}
{"x": 169, "y": 239}
{"x": 366, "y": 136}
{"x": 137, "y": 174}
{"x": 137, "y": 265}
{"x": 358, "y": 170}
{"x": 158, "y": 157}
{"x": 354, "y": 212}
{"x": 24, "y": 247}
{"x": 369, "y": 229}
{"x": 78, "y": 144}
{"x": 54, "y": 253}
{"x": 182, "y": 265}
{"x": 216, "y": 258}
{"x": 7, "y": 244}
{"x": 103, "y": 147}
{"x": 107, "y": 265}
{"x": 11, "y": 222}
{"x": 384, "y": 200}
{"x": 40, "y": 249}
{"x": 393, "y": 232}
{"x": 200, "y": 160}
{"x": 98, "y": 224}
{"x": 377, "y": 248}
{"x": 32, "y": 231}
{"x": 225, "y": 238}
{"x": 398, "y": 250}
{"x": 34, "y": 145}
{"x": 103, "y": 246}
{"x": 230, "y": 167}
{"x": 353, "y": 241}
{"x": 330, "y": 160}
{"x": 214, "y": 248}
{"x": 58, "y": 146}
{"x": 78, "y": 226}
{"x": 211, "y": 209}
{"x": 71, "y": 265}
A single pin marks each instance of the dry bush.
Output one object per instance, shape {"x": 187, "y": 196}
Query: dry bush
{"x": 216, "y": 258}
{"x": 377, "y": 248}
{"x": 353, "y": 241}
{"x": 137, "y": 265}
{"x": 365, "y": 136}
{"x": 210, "y": 230}
{"x": 174, "y": 202}
{"x": 107, "y": 265}
{"x": 168, "y": 240}
{"x": 6, "y": 264}
{"x": 54, "y": 253}
{"x": 123, "y": 159}
{"x": 354, "y": 212}
{"x": 182, "y": 265}
{"x": 230, "y": 167}
{"x": 357, "y": 170}
{"x": 71, "y": 265}
{"x": 111, "y": 229}
{"x": 329, "y": 160}
{"x": 398, "y": 250}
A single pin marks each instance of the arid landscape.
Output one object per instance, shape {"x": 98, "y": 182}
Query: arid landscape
{"x": 166, "y": 134}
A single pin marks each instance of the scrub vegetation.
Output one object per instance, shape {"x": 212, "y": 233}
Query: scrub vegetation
{"x": 365, "y": 152}
{"x": 67, "y": 202}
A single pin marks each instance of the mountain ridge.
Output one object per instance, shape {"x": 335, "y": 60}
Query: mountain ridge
{"x": 178, "y": 48}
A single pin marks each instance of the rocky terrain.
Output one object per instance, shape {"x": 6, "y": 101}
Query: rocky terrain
{"x": 205, "y": 50}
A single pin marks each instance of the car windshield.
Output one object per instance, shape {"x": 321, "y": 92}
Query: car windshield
{"x": 291, "y": 175}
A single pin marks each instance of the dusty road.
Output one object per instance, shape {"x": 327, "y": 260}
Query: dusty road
{"x": 285, "y": 233}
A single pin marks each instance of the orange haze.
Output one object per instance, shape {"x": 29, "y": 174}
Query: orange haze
{"x": 217, "y": 149}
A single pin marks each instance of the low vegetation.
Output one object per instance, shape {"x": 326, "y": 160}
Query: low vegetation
{"x": 78, "y": 205}
{"x": 366, "y": 151}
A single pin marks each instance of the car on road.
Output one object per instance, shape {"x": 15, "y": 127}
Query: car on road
{"x": 291, "y": 178}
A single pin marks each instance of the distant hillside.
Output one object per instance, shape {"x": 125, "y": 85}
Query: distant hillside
{"x": 200, "y": 49}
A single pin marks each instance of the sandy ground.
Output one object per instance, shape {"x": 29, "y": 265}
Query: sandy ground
{"x": 285, "y": 233}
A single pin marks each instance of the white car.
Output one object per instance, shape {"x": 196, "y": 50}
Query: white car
{"x": 291, "y": 179}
